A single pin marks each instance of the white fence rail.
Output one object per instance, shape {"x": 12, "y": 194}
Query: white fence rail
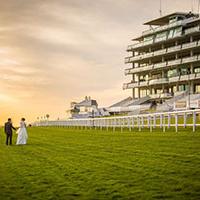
{"x": 164, "y": 120}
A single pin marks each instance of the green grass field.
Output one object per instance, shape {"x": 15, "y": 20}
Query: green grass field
{"x": 61, "y": 163}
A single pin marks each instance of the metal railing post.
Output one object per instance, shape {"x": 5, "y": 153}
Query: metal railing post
{"x": 163, "y": 123}
{"x": 129, "y": 123}
{"x": 154, "y": 121}
{"x": 194, "y": 121}
{"x": 169, "y": 120}
{"x": 185, "y": 120}
{"x": 139, "y": 123}
{"x": 176, "y": 122}
{"x": 150, "y": 124}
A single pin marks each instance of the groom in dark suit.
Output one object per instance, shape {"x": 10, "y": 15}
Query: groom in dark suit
{"x": 8, "y": 130}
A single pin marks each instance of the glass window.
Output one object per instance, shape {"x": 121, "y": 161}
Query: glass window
{"x": 197, "y": 88}
{"x": 136, "y": 93}
{"x": 184, "y": 71}
{"x": 159, "y": 91}
{"x": 178, "y": 31}
{"x": 172, "y": 73}
{"x": 174, "y": 89}
{"x": 161, "y": 36}
{"x": 183, "y": 87}
{"x": 148, "y": 38}
{"x": 172, "y": 20}
{"x": 187, "y": 87}
{"x": 156, "y": 76}
{"x": 143, "y": 93}
{"x": 197, "y": 70}
{"x": 171, "y": 33}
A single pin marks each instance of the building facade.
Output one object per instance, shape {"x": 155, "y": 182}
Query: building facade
{"x": 86, "y": 108}
{"x": 165, "y": 60}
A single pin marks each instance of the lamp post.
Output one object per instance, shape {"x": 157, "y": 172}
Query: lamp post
{"x": 188, "y": 89}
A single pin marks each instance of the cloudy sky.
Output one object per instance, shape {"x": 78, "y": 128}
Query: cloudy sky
{"x": 56, "y": 51}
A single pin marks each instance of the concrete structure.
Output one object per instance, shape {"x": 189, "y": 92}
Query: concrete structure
{"x": 166, "y": 58}
{"x": 87, "y": 108}
{"x": 130, "y": 106}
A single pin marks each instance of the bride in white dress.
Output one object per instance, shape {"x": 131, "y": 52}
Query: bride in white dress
{"x": 22, "y": 133}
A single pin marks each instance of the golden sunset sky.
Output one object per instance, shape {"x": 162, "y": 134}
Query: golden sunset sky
{"x": 56, "y": 51}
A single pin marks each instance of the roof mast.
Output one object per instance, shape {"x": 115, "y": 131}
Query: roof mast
{"x": 160, "y": 11}
{"x": 192, "y": 6}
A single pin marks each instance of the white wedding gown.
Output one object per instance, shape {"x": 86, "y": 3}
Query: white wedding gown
{"x": 22, "y": 134}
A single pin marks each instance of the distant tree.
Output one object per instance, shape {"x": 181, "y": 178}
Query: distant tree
{"x": 47, "y": 116}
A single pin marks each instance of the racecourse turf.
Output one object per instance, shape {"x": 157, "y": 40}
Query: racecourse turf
{"x": 63, "y": 163}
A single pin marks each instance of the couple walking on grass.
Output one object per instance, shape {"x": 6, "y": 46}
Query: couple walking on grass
{"x": 22, "y": 132}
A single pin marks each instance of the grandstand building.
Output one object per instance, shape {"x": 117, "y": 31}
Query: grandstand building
{"x": 165, "y": 60}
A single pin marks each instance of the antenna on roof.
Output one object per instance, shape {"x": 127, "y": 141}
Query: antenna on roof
{"x": 192, "y": 6}
{"x": 160, "y": 10}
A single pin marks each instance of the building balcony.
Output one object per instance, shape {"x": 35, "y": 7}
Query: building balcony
{"x": 190, "y": 45}
{"x": 162, "y": 52}
{"x": 197, "y": 76}
{"x": 174, "y": 62}
{"x": 174, "y": 49}
{"x": 161, "y": 81}
{"x": 163, "y": 65}
{"x": 140, "y": 44}
{"x": 162, "y": 28}
{"x": 173, "y": 79}
{"x": 135, "y": 85}
{"x": 187, "y": 77}
{"x": 158, "y": 81}
{"x": 143, "y": 83}
{"x": 146, "y": 43}
{"x": 128, "y": 71}
{"x": 160, "y": 96}
{"x": 192, "y": 30}
{"x": 130, "y": 85}
{"x": 190, "y": 59}
{"x": 190, "y": 77}
{"x": 159, "y": 65}
{"x": 147, "y": 55}
{"x": 131, "y": 59}
{"x": 138, "y": 69}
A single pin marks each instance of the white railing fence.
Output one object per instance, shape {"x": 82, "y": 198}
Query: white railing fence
{"x": 164, "y": 120}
